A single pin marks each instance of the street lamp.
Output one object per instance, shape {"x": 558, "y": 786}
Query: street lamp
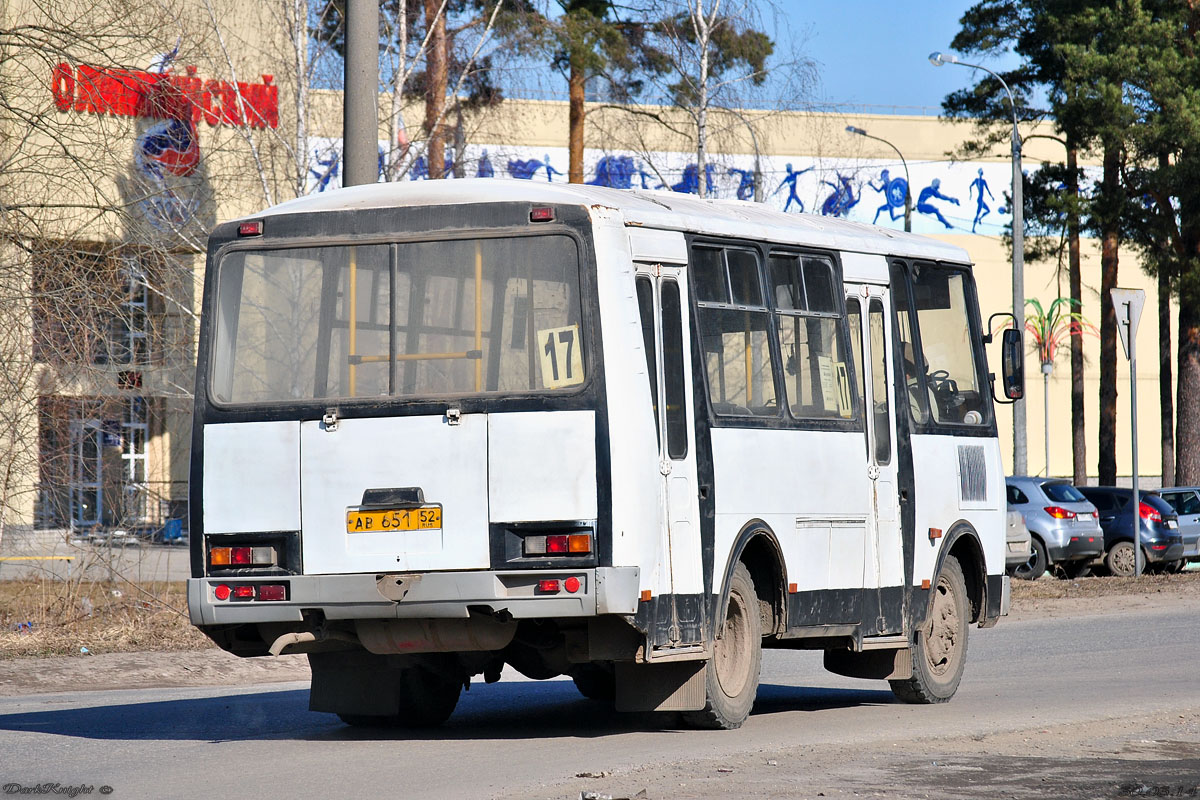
{"x": 1020, "y": 465}
{"x": 907, "y": 182}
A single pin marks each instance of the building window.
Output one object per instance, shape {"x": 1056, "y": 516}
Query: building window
{"x": 94, "y": 307}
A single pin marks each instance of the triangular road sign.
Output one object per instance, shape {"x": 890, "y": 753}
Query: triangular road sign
{"x": 1128, "y": 305}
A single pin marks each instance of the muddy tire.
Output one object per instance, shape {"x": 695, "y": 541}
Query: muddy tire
{"x": 427, "y": 699}
{"x": 731, "y": 675}
{"x": 939, "y": 649}
{"x": 1032, "y": 569}
{"x": 1120, "y": 560}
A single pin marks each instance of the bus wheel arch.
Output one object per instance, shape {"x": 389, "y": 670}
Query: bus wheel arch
{"x": 963, "y": 544}
{"x": 757, "y": 547}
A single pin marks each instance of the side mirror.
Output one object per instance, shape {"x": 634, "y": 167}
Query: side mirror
{"x": 1012, "y": 364}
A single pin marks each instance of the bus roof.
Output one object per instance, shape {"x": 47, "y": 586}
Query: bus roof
{"x": 659, "y": 209}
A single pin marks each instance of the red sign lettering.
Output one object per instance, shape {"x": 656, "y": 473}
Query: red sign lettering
{"x": 135, "y": 93}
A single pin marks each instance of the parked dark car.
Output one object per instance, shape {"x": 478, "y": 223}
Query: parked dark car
{"x": 1160, "y": 539}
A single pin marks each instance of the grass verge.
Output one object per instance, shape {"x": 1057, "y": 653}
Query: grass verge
{"x": 49, "y": 616}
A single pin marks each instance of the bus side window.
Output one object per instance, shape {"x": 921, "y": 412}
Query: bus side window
{"x": 674, "y": 385}
{"x": 854, "y": 322}
{"x": 881, "y": 411}
{"x": 811, "y": 338}
{"x": 645, "y": 298}
{"x": 913, "y": 372}
{"x": 734, "y": 332}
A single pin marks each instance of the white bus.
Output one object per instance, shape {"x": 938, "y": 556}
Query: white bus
{"x": 629, "y": 437}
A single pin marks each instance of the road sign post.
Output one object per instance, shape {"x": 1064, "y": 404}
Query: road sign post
{"x": 1128, "y": 305}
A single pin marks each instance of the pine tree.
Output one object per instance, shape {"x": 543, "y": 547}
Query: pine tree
{"x": 1071, "y": 51}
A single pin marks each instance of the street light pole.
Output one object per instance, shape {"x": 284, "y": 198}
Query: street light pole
{"x": 907, "y": 182}
{"x": 360, "y": 116}
{"x": 1020, "y": 454}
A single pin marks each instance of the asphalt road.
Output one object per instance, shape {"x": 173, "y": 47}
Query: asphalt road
{"x": 529, "y": 739}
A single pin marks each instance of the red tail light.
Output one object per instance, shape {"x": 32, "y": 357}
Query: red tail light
{"x": 272, "y": 591}
{"x": 549, "y": 586}
{"x": 1148, "y": 513}
{"x": 1058, "y": 512}
{"x": 243, "y": 593}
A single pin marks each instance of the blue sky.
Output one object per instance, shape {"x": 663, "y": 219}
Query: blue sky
{"x": 874, "y": 52}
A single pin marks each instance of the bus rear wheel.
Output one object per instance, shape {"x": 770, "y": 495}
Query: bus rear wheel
{"x": 427, "y": 699}
{"x": 731, "y": 675}
{"x": 939, "y": 649}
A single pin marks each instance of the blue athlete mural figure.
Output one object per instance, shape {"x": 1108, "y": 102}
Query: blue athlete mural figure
{"x": 484, "y": 170}
{"x": 894, "y": 191}
{"x": 841, "y": 199}
{"x": 691, "y": 180}
{"x": 745, "y": 190}
{"x": 982, "y": 209}
{"x": 931, "y": 191}
{"x": 790, "y": 182}
{"x": 525, "y": 170}
{"x": 614, "y": 171}
{"x": 642, "y": 175}
{"x": 420, "y": 168}
{"x": 330, "y": 165}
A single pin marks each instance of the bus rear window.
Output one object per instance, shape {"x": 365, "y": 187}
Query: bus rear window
{"x": 421, "y": 319}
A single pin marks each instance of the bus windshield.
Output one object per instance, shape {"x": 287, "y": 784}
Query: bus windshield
{"x": 418, "y": 319}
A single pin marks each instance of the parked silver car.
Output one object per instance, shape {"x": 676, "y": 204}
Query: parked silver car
{"x": 1064, "y": 527}
{"x": 1186, "y": 502}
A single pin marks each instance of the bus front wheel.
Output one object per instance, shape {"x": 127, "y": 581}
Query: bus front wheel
{"x": 731, "y": 675}
{"x": 939, "y": 649}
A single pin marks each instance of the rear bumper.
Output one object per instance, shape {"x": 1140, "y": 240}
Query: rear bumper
{"x": 1171, "y": 551}
{"x": 430, "y": 595}
{"x": 1016, "y": 551}
{"x": 1079, "y": 546}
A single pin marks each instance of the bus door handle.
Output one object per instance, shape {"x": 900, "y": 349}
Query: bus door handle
{"x": 704, "y": 490}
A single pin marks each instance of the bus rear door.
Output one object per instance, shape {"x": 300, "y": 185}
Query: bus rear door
{"x": 662, "y": 300}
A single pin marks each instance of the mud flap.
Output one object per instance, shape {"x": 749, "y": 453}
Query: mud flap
{"x": 355, "y": 683}
{"x": 675, "y": 686}
{"x": 871, "y": 664}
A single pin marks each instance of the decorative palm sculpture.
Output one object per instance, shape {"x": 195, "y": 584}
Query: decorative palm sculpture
{"x": 1050, "y": 327}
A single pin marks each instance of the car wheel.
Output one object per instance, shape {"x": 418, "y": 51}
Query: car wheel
{"x": 1032, "y": 569}
{"x": 731, "y": 675}
{"x": 939, "y": 649}
{"x": 1120, "y": 560}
